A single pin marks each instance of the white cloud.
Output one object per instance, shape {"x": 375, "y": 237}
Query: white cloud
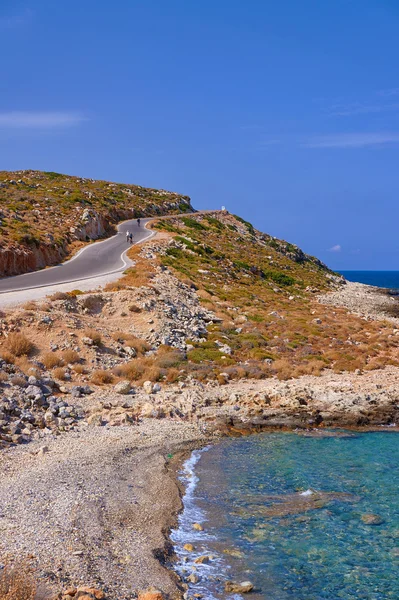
{"x": 352, "y": 140}
{"x": 336, "y": 248}
{"x": 39, "y": 119}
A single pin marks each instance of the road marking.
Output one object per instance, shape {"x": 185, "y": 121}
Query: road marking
{"x": 119, "y": 270}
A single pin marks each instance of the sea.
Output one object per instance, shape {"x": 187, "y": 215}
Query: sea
{"x": 304, "y": 516}
{"x": 385, "y": 279}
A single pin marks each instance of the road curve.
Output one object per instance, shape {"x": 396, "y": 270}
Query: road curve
{"x": 97, "y": 259}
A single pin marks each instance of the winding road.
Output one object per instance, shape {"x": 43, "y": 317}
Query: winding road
{"x": 97, "y": 259}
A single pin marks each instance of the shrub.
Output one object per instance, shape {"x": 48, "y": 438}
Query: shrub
{"x": 193, "y": 224}
{"x": 79, "y": 369}
{"x": 173, "y": 375}
{"x": 51, "y": 360}
{"x": 70, "y": 356}
{"x": 7, "y": 356}
{"x": 102, "y": 377}
{"x": 59, "y": 373}
{"x": 128, "y": 339}
{"x": 58, "y": 296}
{"x": 30, "y": 305}
{"x": 18, "y": 344}
{"x": 93, "y": 335}
{"x": 152, "y": 373}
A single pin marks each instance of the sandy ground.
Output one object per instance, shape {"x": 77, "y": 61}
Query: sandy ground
{"x": 95, "y": 508}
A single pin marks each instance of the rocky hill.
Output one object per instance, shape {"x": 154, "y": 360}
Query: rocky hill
{"x": 44, "y": 216}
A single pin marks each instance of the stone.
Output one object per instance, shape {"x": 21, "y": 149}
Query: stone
{"x": 193, "y": 578}
{"x": 151, "y": 594}
{"x": 188, "y": 547}
{"x": 122, "y": 387}
{"x": 198, "y": 527}
{"x": 238, "y": 588}
{"x": 147, "y": 387}
{"x": 87, "y": 341}
{"x": 85, "y": 593}
{"x": 202, "y": 560}
{"x": 156, "y": 388}
{"x": 147, "y": 411}
{"x": 372, "y": 519}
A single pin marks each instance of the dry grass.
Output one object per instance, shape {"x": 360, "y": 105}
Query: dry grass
{"x": 18, "y": 344}
{"x": 7, "y": 356}
{"x": 52, "y": 360}
{"x": 139, "y": 369}
{"x": 70, "y": 356}
{"x": 93, "y": 335}
{"x": 58, "y": 296}
{"x": 59, "y": 373}
{"x": 30, "y": 305}
{"x": 102, "y": 377}
{"x": 79, "y": 369}
{"x": 17, "y": 583}
{"x": 128, "y": 339}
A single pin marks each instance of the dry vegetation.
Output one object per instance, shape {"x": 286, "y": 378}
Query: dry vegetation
{"x": 261, "y": 290}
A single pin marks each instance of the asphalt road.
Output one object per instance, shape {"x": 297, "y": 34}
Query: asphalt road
{"x": 99, "y": 258}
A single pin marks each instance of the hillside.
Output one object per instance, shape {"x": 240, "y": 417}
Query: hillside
{"x": 44, "y": 216}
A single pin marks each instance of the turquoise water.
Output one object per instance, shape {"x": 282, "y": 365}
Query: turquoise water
{"x": 386, "y": 279}
{"x": 288, "y": 511}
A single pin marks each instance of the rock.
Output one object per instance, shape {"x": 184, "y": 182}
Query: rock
{"x": 147, "y": 387}
{"x": 96, "y": 420}
{"x": 188, "y": 547}
{"x": 151, "y": 594}
{"x": 198, "y": 527}
{"x": 85, "y": 593}
{"x": 193, "y": 578}
{"x": 156, "y": 388}
{"x": 238, "y": 588}
{"x": 147, "y": 410}
{"x": 122, "y": 387}
{"x": 372, "y": 519}
{"x": 87, "y": 341}
{"x": 202, "y": 560}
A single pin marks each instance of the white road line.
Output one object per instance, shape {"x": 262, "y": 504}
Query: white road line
{"x": 119, "y": 270}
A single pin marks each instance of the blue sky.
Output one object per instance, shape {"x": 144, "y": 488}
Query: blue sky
{"x": 285, "y": 112}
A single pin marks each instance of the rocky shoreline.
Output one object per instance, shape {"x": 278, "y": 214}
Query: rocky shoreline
{"x": 95, "y": 504}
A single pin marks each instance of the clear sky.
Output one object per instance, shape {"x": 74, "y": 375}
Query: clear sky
{"x": 286, "y": 112}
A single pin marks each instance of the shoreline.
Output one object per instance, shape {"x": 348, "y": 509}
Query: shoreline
{"x": 120, "y": 547}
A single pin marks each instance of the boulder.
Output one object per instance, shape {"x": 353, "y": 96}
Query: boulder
{"x": 151, "y": 594}
{"x": 238, "y": 588}
{"x": 372, "y": 519}
{"x": 147, "y": 387}
{"x": 122, "y": 387}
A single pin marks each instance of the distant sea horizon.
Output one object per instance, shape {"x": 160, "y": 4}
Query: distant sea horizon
{"x": 384, "y": 279}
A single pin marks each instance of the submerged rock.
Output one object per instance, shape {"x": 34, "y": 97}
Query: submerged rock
{"x": 372, "y": 519}
{"x": 238, "y": 588}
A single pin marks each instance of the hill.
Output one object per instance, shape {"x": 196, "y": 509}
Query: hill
{"x": 44, "y": 216}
